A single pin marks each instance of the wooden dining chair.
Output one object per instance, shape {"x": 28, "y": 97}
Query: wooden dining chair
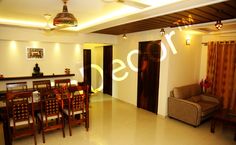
{"x": 20, "y": 110}
{"x": 77, "y": 110}
{"x": 50, "y": 118}
{"x": 62, "y": 83}
{"x": 42, "y": 85}
{"x": 16, "y": 86}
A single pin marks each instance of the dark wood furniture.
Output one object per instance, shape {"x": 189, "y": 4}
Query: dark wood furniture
{"x": 62, "y": 83}
{"x": 36, "y": 77}
{"x": 77, "y": 110}
{"x": 20, "y": 114}
{"x": 50, "y": 118}
{"x": 224, "y": 116}
{"x": 42, "y": 85}
{"x": 16, "y": 86}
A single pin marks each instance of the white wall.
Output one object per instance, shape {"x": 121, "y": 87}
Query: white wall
{"x": 62, "y": 50}
{"x": 176, "y": 70}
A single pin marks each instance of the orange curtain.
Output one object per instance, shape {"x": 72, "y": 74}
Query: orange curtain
{"x": 221, "y": 71}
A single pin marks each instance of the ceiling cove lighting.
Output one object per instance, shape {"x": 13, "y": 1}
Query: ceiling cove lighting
{"x": 65, "y": 19}
{"x": 21, "y": 23}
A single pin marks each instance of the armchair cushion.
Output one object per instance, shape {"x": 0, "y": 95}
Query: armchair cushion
{"x": 194, "y": 99}
{"x": 207, "y": 107}
{"x": 185, "y": 92}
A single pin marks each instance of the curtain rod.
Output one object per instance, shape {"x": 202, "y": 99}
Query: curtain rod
{"x": 205, "y": 43}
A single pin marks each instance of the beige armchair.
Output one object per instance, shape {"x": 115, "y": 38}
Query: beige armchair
{"x": 190, "y": 105}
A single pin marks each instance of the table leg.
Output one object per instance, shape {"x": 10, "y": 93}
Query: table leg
{"x": 6, "y": 129}
{"x": 213, "y": 124}
{"x": 235, "y": 133}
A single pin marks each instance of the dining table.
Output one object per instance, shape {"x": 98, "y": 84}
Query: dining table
{"x": 59, "y": 93}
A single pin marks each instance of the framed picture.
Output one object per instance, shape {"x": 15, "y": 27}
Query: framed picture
{"x": 35, "y": 53}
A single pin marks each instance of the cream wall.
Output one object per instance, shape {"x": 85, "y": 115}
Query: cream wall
{"x": 96, "y": 59}
{"x": 62, "y": 50}
{"x": 222, "y": 36}
{"x": 179, "y": 69}
{"x": 175, "y": 70}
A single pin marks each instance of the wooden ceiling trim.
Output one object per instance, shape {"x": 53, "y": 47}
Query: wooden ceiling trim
{"x": 170, "y": 18}
{"x": 231, "y": 3}
{"x": 200, "y": 15}
{"x": 159, "y": 20}
{"x": 216, "y": 13}
{"x": 225, "y": 9}
{"x": 185, "y": 15}
{"x": 163, "y": 20}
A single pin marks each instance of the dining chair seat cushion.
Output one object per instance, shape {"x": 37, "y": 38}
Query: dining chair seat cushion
{"x": 21, "y": 122}
{"x": 66, "y": 111}
{"x": 50, "y": 117}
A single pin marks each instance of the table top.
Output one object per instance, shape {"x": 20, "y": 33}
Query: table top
{"x": 225, "y": 115}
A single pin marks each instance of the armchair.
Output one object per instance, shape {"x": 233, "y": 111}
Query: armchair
{"x": 190, "y": 105}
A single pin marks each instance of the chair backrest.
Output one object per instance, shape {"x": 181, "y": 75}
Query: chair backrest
{"x": 77, "y": 103}
{"x": 79, "y": 100}
{"x": 20, "y": 105}
{"x": 49, "y": 105}
{"x": 42, "y": 85}
{"x": 16, "y": 86}
{"x": 62, "y": 83}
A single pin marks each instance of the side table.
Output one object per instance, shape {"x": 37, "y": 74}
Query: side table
{"x": 226, "y": 117}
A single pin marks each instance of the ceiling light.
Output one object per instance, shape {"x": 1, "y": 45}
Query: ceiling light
{"x": 65, "y": 19}
{"x": 162, "y": 32}
{"x": 124, "y": 36}
{"x": 218, "y": 24}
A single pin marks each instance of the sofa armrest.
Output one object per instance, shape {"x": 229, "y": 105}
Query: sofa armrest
{"x": 184, "y": 110}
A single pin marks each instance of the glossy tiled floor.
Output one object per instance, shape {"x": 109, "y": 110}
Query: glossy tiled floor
{"x": 113, "y": 122}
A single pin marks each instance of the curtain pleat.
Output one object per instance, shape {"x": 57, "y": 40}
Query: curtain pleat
{"x": 221, "y": 65}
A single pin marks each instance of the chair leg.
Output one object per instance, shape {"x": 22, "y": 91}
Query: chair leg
{"x": 39, "y": 126}
{"x": 43, "y": 135}
{"x": 69, "y": 126}
{"x": 87, "y": 121}
{"x": 35, "y": 140}
{"x": 63, "y": 126}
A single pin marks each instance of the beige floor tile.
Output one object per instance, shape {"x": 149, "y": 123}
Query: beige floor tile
{"x": 113, "y": 122}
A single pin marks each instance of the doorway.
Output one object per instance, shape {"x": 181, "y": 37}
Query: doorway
{"x": 148, "y": 75}
{"x": 87, "y": 67}
{"x": 107, "y": 69}
{"x": 100, "y": 65}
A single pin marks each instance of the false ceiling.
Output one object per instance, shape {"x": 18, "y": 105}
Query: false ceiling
{"x": 108, "y": 17}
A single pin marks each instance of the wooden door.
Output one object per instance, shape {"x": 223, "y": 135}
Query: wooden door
{"x": 87, "y": 67}
{"x": 107, "y": 69}
{"x": 148, "y": 75}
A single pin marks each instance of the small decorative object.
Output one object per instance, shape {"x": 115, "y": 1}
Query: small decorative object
{"x": 36, "y": 70}
{"x": 1, "y": 75}
{"x": 205, "y": 84}
{"x": 67, "y": 71}
{"x": 35, "y": 53}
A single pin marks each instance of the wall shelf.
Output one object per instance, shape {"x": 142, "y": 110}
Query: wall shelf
{"x": 35, "y": 77}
